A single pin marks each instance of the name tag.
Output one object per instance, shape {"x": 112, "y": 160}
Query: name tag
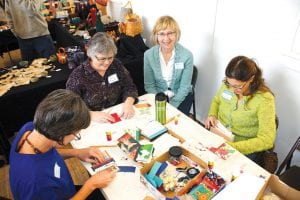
{"x": 57, "y": 170}
{"x": 227, "y": 95}
{"x": 113, "y": 78}
{"x": 179, "y": 65}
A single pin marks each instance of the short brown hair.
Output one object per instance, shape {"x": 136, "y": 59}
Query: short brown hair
{"x": 61, "y": 113}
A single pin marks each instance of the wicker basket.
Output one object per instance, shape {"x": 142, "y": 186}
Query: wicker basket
{"x": 132, "y": 25}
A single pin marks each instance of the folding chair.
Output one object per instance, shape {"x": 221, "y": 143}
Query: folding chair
{"x": 194, "y": 80}
{"x": 291, "y": 175}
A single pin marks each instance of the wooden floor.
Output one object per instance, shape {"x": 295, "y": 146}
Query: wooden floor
{"x": 5, "y": 60}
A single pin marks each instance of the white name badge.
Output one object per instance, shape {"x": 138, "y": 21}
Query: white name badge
{"x": 179, "y": 65}
{"x": 57, "y": 170}
{"x": 227, "y": 95}
{"x": 113, "y": 78}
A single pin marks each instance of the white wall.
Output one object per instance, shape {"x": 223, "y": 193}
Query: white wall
{"x": 217, "y": 30}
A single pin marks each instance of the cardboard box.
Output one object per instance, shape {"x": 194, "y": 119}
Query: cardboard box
{"x": 195, "y": 181}
{"x": 276, "y": 186}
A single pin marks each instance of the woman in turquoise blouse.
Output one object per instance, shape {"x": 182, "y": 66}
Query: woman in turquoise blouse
{"x": 246, "y": 106}
{"x": 168, "y": 66}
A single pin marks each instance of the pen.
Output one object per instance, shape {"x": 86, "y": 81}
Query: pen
{"x": 105, "y": 145}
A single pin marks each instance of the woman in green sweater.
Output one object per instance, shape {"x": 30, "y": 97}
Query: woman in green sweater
{"x": 246, "y": 106}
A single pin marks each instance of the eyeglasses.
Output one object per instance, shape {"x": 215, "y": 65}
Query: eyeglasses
{"x": 77, "y": 136}
{"x": 235, "y": 86}
{"x": 168, "y": 34}
{"x": 102, "y": 60}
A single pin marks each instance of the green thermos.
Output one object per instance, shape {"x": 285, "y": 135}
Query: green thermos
{"x": 160, "y": 107}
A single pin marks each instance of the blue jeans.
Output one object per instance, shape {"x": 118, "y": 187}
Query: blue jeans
{"x": 38, "y": 47}
{"x": 256, "y": 157}
{"x": 186, "y": 105}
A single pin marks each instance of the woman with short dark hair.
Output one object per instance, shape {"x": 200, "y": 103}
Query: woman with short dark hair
{"x": 37, "y": 169}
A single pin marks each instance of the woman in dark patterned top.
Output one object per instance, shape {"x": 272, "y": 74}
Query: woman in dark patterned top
{"x": 102, "y": 81}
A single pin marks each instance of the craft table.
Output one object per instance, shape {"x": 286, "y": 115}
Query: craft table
{"x": 187, "y": 133}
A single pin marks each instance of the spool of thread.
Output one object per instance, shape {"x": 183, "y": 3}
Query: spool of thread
{"x": 137, "y": 134}
{"x": 108, "y": 135}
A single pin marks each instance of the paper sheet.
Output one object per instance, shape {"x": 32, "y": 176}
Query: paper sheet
{"x": 245, "y": 187}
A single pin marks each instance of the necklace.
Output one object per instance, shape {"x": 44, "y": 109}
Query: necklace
{"x": 36, "y": 150}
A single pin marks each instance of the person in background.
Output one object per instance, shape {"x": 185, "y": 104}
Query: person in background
{"x": 30, "y": 27}
{"x": 168, "y": 66}
{"x": 37, "y": 169}
{"x": 246, "y": 106}
{"x": 2, "y": 12}
{"x": 102, "y": 81}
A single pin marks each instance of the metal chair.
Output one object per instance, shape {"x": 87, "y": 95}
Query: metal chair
{"x": 291, "y": 175}
{"x": 194, "y": 80}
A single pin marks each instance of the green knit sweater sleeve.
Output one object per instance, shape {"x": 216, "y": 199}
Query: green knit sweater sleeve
{"x": 214, "y": 107}
{"x": 265, "y": 137}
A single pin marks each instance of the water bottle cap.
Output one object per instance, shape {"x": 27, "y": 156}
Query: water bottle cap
{"x": 160, "y": 96}
{"x": 175, "y": 151}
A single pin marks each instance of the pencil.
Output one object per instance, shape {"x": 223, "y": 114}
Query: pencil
{"x": 173, "y": 118}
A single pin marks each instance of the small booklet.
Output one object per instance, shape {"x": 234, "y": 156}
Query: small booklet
{"x": 106, "y": 163}
{"x": 222, "y": 131}
{"x": 129, "y": 145}
{"x": 145, "y": 153}
{"x": 152, "y": 129}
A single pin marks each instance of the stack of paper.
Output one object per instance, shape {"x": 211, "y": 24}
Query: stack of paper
{"x": 152, "y": 129}
{"x": 245, "y": 187}
{"x": 222, "y": 131}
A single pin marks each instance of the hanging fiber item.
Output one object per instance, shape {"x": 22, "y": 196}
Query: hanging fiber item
{"x": 125, "y": 10}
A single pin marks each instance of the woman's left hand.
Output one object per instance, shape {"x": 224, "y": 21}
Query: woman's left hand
{"x": 91, "y": 154}
{"x": 128, "y": 111}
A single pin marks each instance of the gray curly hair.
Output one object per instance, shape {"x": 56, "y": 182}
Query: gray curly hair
{"x": 101, "y": 43}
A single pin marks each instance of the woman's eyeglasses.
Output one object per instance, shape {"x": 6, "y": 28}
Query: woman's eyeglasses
{"x": 168, "y": 34}
{"x": 102, "y": 60}
{"x": 235, "y": 86}
{"x": 77, "y": 136}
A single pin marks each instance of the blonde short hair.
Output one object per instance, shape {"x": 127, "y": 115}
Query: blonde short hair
{"x": 163, "y": 23}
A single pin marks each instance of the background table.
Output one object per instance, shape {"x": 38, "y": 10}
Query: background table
{"x": 18, "y": 105}
{"x": 8, "y": 42}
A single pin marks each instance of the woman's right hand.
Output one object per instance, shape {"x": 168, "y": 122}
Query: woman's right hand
{"x": 99, "y": 116}
{"x": 102, "y": 178}
{"x": 99, "y": 180}
{"x": 210, "y": 121}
